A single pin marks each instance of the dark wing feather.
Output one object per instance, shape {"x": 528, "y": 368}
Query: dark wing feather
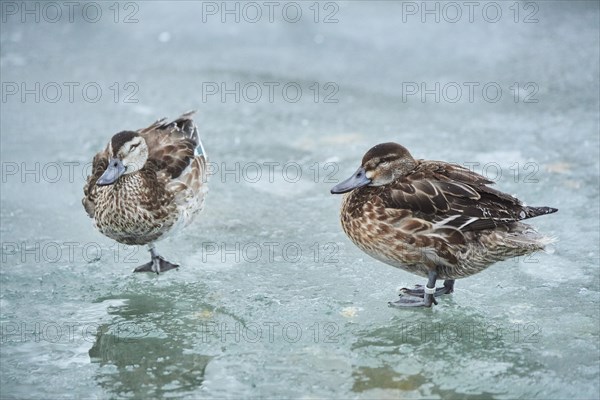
{"x": 99, "y": 165}
{"x": 454, "y": 197}
{"x": 171, "y": 145}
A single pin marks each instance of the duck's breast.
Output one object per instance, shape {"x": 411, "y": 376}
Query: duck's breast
{"x": 133, "y": 212}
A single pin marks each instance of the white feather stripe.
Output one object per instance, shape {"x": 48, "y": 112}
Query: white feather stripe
{"x": 470, "y": 221}
{"x": 445, "y": 221}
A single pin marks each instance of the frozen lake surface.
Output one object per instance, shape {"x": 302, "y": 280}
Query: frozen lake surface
{"x": 272, "y": 300}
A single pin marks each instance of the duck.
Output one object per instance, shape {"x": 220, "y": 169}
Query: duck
{"x": 148, "y": 184}
{"x": 434, "y": 219}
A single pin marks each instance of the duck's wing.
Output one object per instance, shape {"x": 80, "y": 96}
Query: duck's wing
{"x": 190, "y": 188}
{"x": 172, "y": 145}
{"x": 178, "y": 155}
{"x": 99, "y": 165}
{"x": 450, "y": 196}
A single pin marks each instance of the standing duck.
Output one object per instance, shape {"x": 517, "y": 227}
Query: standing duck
{"x": 434, "y": 219}
{"x": 147, "y": 184}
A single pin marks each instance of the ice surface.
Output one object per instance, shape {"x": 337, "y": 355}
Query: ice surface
{"x": 525, "y": 328}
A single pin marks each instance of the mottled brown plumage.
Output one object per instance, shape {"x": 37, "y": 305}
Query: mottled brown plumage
{"x": 431, "y": 217}
{"x": 148, "y": 183}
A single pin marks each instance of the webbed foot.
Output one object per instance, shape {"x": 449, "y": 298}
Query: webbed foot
{"x": 419, "y": 291}
{"x": 157, "y": 265}
{"x": 411, "y": 301}
{"x": 423, "y": 296}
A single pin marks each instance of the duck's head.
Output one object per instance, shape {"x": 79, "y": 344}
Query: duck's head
{"x": 381, "y": 165}
{"x": 128, "y": 153}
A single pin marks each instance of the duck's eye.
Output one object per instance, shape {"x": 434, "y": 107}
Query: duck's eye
{"x": 133, "y": 146}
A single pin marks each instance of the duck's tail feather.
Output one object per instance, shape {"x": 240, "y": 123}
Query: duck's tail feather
{"x": 531, "y": 212}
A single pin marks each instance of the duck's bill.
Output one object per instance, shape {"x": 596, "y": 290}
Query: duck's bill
{"x": 358, "y": 179}
{"x": 113, "y": 172}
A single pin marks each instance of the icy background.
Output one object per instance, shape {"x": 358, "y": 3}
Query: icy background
{"x": 295, "y": 310}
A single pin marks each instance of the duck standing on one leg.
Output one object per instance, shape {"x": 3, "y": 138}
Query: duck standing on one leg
{"x": 433, "y": 219}
{"x": 147, "y": 184}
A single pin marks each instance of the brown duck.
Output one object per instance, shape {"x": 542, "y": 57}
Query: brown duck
{"x": 147, "y": 184}
{"x": 432, "y": 218}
